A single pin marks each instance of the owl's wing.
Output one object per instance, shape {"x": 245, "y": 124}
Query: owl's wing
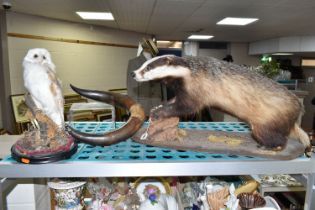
{"x": 48, "y": 97}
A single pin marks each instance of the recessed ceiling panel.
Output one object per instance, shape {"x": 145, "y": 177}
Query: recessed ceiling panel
{"x": 132, "y": 14}
{"x": 176, "y": 19}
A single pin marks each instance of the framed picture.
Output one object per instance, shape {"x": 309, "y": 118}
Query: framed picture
{"x": 19, "y": 108}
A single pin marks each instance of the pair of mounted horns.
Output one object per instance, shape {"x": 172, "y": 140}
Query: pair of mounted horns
{"x": 133, "y": 124}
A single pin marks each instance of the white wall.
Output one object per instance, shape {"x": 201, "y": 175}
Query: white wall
{"x": 239, "y": 51}
{"x": 87, "y": 66}
{"x": 216, "y": 53}
{"x": 283, "y": 44}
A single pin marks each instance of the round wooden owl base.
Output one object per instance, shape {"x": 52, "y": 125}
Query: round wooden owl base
{"x": 21, "y": 154}
{"x": 220, "y": 142}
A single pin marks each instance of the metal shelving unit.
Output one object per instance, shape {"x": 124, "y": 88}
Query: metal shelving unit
{"x": 130, "y": 159}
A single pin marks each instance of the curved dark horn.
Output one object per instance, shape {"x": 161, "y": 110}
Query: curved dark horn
{"x": 133, "y": 124}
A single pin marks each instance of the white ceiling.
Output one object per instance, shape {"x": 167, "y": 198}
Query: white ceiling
{"x": 177, "y": 19}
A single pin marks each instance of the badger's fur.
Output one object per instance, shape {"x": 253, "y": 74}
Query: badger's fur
{"x": 270, "y": 109}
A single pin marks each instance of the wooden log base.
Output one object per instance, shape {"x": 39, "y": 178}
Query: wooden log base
{"x": 31, "y": 144}
{"x": 218, "y": 142}
{"x": 164, "y": 129}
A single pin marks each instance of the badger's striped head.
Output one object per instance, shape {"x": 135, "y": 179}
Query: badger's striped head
{"x": 161, "y": 67}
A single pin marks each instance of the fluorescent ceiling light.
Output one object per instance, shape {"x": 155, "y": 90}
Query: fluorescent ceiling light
{"x": 236, "y": 21}
{"x": 282, "y": 53}
{"x": 200, "y": 37}
{"x": 96, "y": 15}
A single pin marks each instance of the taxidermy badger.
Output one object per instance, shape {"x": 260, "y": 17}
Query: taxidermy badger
{"x": 270, "y": 109}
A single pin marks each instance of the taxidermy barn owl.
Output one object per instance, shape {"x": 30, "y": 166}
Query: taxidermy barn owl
{"x": 41, "y": 82}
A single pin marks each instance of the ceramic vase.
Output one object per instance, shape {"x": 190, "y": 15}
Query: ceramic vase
{"x": 68, "y": 194}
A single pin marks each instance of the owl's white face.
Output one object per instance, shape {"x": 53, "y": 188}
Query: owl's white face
{"x": 39, "y": 56}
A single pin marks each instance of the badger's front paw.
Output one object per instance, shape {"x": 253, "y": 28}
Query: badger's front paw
{"x": 156, "y": 115}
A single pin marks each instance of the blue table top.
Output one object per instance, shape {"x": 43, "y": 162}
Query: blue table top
{"x": 133, "y": 151}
